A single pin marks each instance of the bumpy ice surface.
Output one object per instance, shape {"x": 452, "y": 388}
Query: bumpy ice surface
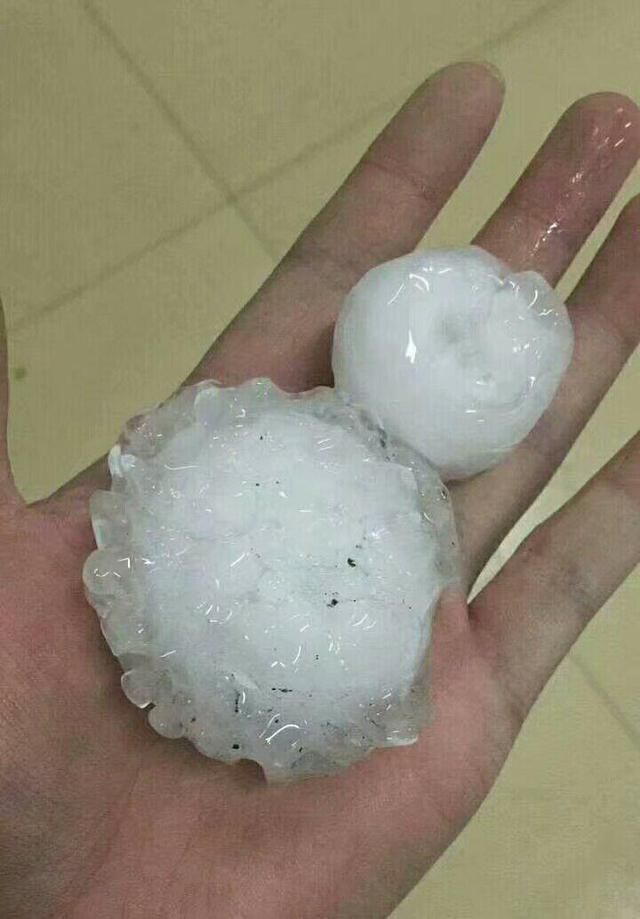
{"x": 267, "y": 571}
{"x": 467, "y": 355}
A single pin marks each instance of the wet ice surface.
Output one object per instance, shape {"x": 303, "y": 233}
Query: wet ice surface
{"x": 268, "y": 566}
{"x": 267, "y": 571}
{"x": 467, "y": 354}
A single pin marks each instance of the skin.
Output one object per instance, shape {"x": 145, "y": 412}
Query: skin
{"x": 101, "y": 817}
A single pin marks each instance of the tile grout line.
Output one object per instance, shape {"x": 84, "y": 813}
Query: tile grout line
{"x": 116, "y": 267}
{"x": 474, "y": 53}
{"x": 520, "y": 25}
{"x": 141, "y": 78}
{"x": 191, "y": 145}
{"x": 232, "y": 197}
{"x": 391, "y": 102}
{"x": 229, "y": 197}
{"x": 612, "y": 706}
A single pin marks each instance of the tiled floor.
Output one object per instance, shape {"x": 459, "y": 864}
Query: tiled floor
{"x": 155, "y": 160}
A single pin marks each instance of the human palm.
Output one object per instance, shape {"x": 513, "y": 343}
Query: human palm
{"x": 101, "y": 817}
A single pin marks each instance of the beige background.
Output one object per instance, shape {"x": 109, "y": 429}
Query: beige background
{"x": 156, "y": 158}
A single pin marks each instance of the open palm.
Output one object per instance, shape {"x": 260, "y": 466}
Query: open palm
{"x": 101, "y": 817}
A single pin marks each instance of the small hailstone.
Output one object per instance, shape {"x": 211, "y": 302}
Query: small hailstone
{"x": 467, "y": 354}
{"x": 267, "y": 571}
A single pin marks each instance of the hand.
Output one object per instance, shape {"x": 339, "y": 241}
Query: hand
{"x": 101, "y": 817}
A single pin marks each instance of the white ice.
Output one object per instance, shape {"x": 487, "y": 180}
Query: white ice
{"x": 268, "y": 566}
{"x": 267, "y": 571}
{"x": 453, "y": 354}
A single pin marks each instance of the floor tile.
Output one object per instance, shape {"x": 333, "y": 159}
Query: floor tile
{"x": 89, "y": 170}
{"x": 79, "y": 372}
{"x": 608, "y": 652}
{"x": 255, "y": 83}
{"x": 558, "y": 837}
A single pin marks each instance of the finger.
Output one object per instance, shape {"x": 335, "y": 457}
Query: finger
{"x": 529, "y": 616}
{"x": 7, "y": 488}
{"x": 606, "y": 319}
{"x": 568, "y": 186}
{"x": 382, "y": 211}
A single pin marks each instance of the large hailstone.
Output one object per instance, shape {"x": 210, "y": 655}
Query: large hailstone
{"x": 467, "y": 354}
{"x": 268, "y": 565}
{"x": 267, "y": 572}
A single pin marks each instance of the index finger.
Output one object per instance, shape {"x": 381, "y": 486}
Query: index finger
{"x": 381, "y": 211}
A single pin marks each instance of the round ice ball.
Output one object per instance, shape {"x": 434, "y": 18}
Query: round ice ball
{"x": 453, "y": 354}
{"x": 267, "y": 571}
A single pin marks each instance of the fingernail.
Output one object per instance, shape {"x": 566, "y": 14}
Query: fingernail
{"x": 493, "y": 69}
